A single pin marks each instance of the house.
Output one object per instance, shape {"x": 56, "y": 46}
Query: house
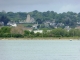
{"x": 35, "y": 26}
{"x": 38, "y": 31}
{"x": 67, "y": 28}
{"x": 49, "y": 23}
{"x": 12, "y": 24}
{"x": 60, "y": 24}
{"x": 1, "y": 23}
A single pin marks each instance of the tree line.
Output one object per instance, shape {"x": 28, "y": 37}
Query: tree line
{"x": 67, "y": 18}
{"x": 8, "y": 32}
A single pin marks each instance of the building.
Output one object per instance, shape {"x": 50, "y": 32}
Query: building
{"x": 38, "y": 31}
{"x": 12, "y": 24}
{"x": 1, "y": 23}
{"x": 29, "y": 19}
{"x": 35, "y": 26}
{"x": 67, "y": 28}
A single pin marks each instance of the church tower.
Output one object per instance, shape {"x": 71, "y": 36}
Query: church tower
{"x": 28, "y": 19}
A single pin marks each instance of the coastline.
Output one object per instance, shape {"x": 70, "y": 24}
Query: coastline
{"x": 44, "y": 38}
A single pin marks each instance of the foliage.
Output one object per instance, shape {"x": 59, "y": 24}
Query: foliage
{"x": 68, "y": 18}
{"x": 5, "y": 32}
{"x": 17, "y": 35}
{"x": 58, "y": 32}
{"x": 26, "y": 33}
{"x": 4, "y": 19}
{"x": 74, "y": 32}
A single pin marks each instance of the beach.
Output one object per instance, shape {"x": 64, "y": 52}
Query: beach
{"x": 44, "y": 38}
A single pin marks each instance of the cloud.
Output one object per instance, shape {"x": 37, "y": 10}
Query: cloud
{"x": 24, "y": 2}
{"x": 41, "y": 5}
{"x": 34, "y": 2}
{"x": 66, "y": 8}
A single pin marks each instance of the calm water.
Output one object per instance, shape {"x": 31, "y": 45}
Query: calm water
{"x": 39, "y": 50}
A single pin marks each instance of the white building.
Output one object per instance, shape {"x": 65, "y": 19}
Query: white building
{"x": 12, "y": 24}
{"x": 38, "y": 31}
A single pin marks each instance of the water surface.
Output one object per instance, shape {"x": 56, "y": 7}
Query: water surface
{"x": 39, "y": 50}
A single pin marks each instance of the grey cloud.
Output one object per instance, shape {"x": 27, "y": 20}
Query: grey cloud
{"x": 35, "y": 2}
{"x": 29, "y": 2}
{"x": 41, "y": 5}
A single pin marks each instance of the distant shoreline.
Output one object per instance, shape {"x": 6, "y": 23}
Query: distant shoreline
{"x": 44, "y": 38}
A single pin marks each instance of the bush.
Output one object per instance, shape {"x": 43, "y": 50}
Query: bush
{"x": 17, "y": 35}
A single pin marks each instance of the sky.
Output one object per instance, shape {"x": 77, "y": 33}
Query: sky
{"x": 58, "y": 6}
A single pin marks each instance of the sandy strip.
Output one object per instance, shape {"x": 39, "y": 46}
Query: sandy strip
{"x": 40, "y": 38}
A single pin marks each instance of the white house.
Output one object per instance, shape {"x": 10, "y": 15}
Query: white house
{"x": 12, "y": 24}
{"x": 36, "y": 31}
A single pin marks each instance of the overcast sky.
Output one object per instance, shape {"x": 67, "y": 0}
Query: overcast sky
{"x": 58, "y": 6}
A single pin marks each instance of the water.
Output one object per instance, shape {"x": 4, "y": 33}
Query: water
{"x": 39, "y": 50}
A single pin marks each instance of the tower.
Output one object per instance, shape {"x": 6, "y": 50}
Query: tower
{"x": 28, "y": 19}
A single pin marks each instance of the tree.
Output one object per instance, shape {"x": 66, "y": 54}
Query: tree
{"x": 39, "y": 21}
{"x": 26, "y": 33}
{"x": 5, "y": 32}
{"x": 4, "y": 19}
{"x": 59, "y": 32}
{"x": 74, "y": 32}
{"x": 5, "y": 29}
{"x": 17, "y": 30}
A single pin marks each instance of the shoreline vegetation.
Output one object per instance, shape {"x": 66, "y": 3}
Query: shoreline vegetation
{"x": 10, "y": 33}
{"x": 44, "y": 38}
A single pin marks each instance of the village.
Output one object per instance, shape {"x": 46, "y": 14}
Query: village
{"x": 30, "y": 24}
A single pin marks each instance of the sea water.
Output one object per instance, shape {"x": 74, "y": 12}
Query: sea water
{"x": 39, "y": 50}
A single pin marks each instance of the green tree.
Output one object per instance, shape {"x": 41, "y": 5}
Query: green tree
{"x": 26, "y": 33}
{"x": 4, "y": 19}
{"x": 74, "y": 32}
{"x": 59, "y": 32}
{"x": 5, "y": 32}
